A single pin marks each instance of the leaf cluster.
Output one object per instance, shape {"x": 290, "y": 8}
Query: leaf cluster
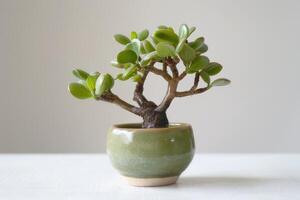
{"x": 140, "y": 51}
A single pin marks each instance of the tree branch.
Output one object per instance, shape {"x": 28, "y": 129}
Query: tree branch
{"x": 171, "y": 93}
{"x": 172, "y": 64}
{"x": 139, "y": 89}
{"x": 112, "y": 98}
{"x": 182, "y": 75}
{"x": 191, "y": 92}
{"x": 165, "y": 67}
{"x": 196, "y": 81}
{"x": 161, "y": 73}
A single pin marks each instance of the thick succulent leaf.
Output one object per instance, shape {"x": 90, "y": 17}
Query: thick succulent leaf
{"x": 129, "y": 72}
{"x": 122, "y": 39}
{"x": 202, "y": 49}
{"x": 205, "y": 77}
{"x": 171, "y": 29}
{"x": 127, "y": 56}
{"x": 155, "y": 41}
{"x": 136, "y": 78}
{"x": 162, "y": 27}
{"x": 79, "y": 91}
{"x": 82, "y": 82}
{"x": 191, "y": 30}
{"x": 80, "y": 74}
{"x": 116, "y": 64}
{"x": 213, "y": 68}
{"x": 148, "y": 57}
{"x": 187, "y": 54}
{"x": 166, "y": 35}
{"x": 165, "y": 49}
{"x": 220, "y": 82}
{"x": 143, "y": 50}
{"x": 197, "y": 43}
{"x": 91, "y": 81}
{"x": 127, "y": 65}
{"x": 119, "y": 77}
{"x": 145, "y": 62}
{"x": 183, "y": 31}
{"x": 134, "y": 45}
{"x": 197, "y": 64}
{"x": 133, "y": 35}
{"x": 148, "y": 46}
{"x": 180, "y": 45}
{"x": 104, "y": 83}
{"x": 143, "y": 35}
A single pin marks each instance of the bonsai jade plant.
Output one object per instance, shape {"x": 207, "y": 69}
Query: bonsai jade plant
{"x": 141, "y": 56}
{"x": 155, "y": 152}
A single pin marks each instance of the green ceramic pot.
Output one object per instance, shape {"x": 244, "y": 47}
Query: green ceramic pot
{"x": 153, "y": 156}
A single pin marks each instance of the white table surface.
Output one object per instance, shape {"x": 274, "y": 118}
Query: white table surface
{"x": 90, "y": 176}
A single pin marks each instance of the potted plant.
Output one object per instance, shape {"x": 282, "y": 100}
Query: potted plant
{"x": 154, "y": 152}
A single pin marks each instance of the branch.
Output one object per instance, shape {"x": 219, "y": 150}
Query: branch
{"x": 182, "y": 75}
{"x": 191, "y": 92}
{"x": 172, "y": 64}
{"x": 112, "y": 98}
{"x": 139, "y": 89}
{"x": 161, "y": 73}
{"x": 165, "y": 67}
{"x": 196, "y": 81}
{"x": 171, "y": 93}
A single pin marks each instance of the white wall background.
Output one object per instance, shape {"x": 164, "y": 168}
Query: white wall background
{"x": 42, "y": 41}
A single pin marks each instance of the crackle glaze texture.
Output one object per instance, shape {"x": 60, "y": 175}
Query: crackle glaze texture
{"x": 150, "y": 153}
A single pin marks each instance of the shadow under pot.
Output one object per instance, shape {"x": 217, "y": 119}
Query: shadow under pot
{"x": 150, "y": 156}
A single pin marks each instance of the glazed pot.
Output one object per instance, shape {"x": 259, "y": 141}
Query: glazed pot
{"x": 152, "y": 156}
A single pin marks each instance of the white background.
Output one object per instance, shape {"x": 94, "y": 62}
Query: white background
{"x": 42, "y": 41}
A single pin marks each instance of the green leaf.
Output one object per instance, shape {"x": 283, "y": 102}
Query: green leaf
{"x": 122, "y": 39}
{"x": 180, "y": 45}
{"x": 202, "y": 49}
{"x": 162, "y": 27}
{"x": 148, "y": 46}
{"x": 205, "y": 77}
{"x": 80, "y": 74}
{"x": 136, "y": 78}
{"x": 171, "y": 29}
{"x": 191, "y": 30}
{"x": 144, "y": 62}
{"x": 91, "y": 81}
{"x": 129, "y": 72}
{"x": 116, "y": 64}
{"x": 148, "y": 57}
{"x": 197, "y": 64}
{"x": 166, "y": 35}
{"x": 183, "y": 31}
{"x": 104, "y": 83}
{"x": 155, "y": 41}
{"x": 133, "y": 35}
{"x": 79, "y": 91}
{"x": 143, "y": 35}
{"x": 220, "y": 82}
{"x": 143, "y": 50}
{"x": 213, "y": 68}
{"x": 119, "y": 77}
{"x": 187, "y": 54}
{"x": 127, "y": 56}
{"x": 197, "y": 43}
{"x": 165, "y": 49}
{"x": 134, "y": 45}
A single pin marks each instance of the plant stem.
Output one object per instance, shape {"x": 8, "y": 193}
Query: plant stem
{"x": 112, "y": 98}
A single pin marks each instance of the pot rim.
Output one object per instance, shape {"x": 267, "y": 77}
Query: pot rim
{"x": 137, "y": 126}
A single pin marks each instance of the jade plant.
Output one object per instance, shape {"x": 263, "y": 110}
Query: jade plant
{"x": 170, "y": 55}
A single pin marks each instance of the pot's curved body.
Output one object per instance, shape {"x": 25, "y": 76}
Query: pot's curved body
{"x": 153, "y": 156}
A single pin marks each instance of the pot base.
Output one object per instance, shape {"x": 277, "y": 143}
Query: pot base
{"x": 151, "y": 182}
